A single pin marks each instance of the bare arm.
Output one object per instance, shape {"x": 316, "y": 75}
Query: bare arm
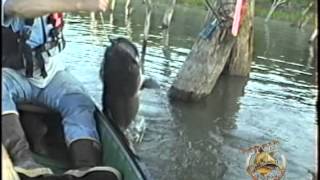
{"x": 35, "y": 8}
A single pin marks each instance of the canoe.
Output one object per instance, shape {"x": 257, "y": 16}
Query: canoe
{"x": 116, "y": 152}
{"x": 7, "y": 168}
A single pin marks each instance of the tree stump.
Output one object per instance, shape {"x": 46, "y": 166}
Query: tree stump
{"x": 209, "y": 58}
{"x": 242, "y": 52}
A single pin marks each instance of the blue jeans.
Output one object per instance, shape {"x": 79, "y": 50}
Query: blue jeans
{"x": 64, "y": 94}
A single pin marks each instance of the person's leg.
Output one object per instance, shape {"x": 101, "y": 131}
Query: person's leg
{"x": 67, "y": 95}
{"x": 16, "y": 88}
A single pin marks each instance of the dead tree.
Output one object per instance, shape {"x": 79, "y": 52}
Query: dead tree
{"x": 92, "y": 16}
{"x": 112, "y": 6}
{"x": 239, "y": 63}
{"x": 148, "y": 4}
{"x": 274, "y": 6}
{"x": 166, "y": 21}
{"x": 305, "y": 16}
{"x": 128, "y": 8}
{"x": 111, "y": 19}
{"x": 314, "y": 41}
{"x": 219, "y": 52}
{"x": 128, "y": 24}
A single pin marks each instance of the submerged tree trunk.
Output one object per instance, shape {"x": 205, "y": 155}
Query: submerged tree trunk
{"x": 166, "y": 21}
{"x": 208, "y": 57}
{"x": 112, "y": 6}
{"x": 128, "y": 8}
{"x": 148, "y": 4}
{"x": 314, "y": 40}
{"x": 274, "y": 6}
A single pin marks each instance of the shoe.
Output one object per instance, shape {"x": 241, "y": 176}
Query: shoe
{"x": 95, "y": 173}
{"x": 85, "y": 153}
{"x": 86, "y": 158}
{"x": 47, "y": 177}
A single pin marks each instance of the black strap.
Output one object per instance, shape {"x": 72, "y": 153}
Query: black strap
{"x": 26, "y": 52}
{"x": 43, "y": 31}
{"x": 41, "y": 64}
{"x": 38, "y": 51}
{"x": 26, "y": 49}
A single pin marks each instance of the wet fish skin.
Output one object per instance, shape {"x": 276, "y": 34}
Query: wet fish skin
{"x": 122, "y": 80}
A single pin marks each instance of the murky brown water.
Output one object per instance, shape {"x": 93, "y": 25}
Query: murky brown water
{"x": 202, "y": 140}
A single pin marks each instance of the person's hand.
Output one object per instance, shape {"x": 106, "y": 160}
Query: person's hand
{"x": 93, "y": 5}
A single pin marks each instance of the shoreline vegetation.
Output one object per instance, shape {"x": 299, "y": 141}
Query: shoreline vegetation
{"x": 290, "y": 11}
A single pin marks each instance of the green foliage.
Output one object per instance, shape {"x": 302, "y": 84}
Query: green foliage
{"x": 192, "y": 2}
{"x": 263, "y": 2}
{"x": 291, "y": 11}
{"x": 278, "y": 15}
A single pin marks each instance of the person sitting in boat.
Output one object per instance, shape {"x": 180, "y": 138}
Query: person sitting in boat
{"x": 31, "y": 36}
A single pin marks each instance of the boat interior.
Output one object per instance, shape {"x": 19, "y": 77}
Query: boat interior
{"x": 46, "y": 137}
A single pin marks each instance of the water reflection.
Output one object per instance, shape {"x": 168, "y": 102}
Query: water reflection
{"x": 203, "y": 127}
{"x": 166, "y": 51}
{"x": 267, "y": 39}
{"x": 111, "y": 20}
{"x": 128, "y": 24}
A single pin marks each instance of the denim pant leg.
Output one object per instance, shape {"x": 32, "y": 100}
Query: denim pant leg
{"x": 15, "y": 88}
{"x": 67, "y": 95}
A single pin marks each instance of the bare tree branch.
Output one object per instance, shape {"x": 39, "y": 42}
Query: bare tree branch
{"x": 113, "y": 4}
{"x": 128, "y": 8}
{"x": 168, "y": 15}
{"x": 304, "y": 16}
{"x": 274, "y": 6}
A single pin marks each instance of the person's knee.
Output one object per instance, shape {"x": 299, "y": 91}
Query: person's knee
{"x": 75, "y": 103}
{"x": 7, "y": 86}
{"x": 78, "y": 118}
{"x": 5, "y": 81}
{"x": 14, "y": 86}
{"x": 7, "y": 102}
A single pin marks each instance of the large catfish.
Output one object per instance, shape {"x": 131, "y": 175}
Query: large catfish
{"x": 122, "y": 78}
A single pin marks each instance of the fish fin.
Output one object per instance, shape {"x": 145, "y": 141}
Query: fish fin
{"x": 112, "y": 39}
{"x": 149, "y": 83}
